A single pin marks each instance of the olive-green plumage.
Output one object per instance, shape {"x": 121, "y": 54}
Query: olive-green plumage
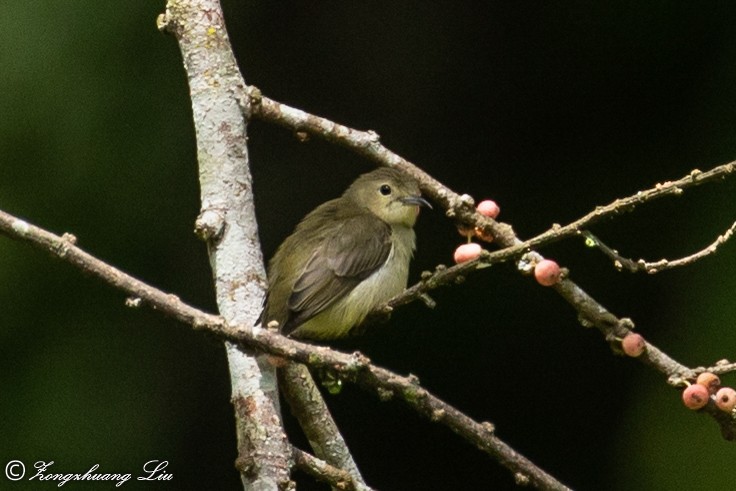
{"x": 345, "y": 258}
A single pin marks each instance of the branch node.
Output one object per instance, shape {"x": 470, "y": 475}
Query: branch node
{"x": 526, "y": 264}
{"x": 466, "y": 200}
{"x": 373, "y": 137}
{"x": 677, "y": 380}
{"x": 289, "y": 485}
{"x": 163, "y": 23}
{"x": 385, "y": 394}
{"x": 413, "y": 394}
{"x": 71, "y": 239}
{"x": 249, "y": 99}
{"x": 245, "y": 465}
{"x": 488, "y": 427}
{"x": 358, "y": 361}
{"x": 20, "y": 227}
{"x": 585, "y": 321}
{"x": 428, "y": 301}
{"x": 625, "y": 323}
{"x": 133, "y": 302}
{"x": 65, "y": 243}
{"x": 254, "y": 95}
{"x": 521, "y": 479}
{"x": 209, "y": 225}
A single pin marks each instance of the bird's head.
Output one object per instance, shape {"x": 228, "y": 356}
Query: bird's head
{"x": 389, "y": 194}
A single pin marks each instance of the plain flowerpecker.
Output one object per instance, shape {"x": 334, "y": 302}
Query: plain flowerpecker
{"x": 345, "y": 258}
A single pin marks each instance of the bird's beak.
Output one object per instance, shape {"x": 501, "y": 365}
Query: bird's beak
{"x": 415, "y": 200}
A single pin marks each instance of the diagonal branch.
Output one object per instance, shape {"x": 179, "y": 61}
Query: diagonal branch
{"x": 356, "y": 367}
{"x": 449, "y": 275}
{"x": 309, "y": 408}
{"x": 460, "y": 208}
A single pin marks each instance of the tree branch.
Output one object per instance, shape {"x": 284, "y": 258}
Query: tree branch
{"x": 460, "y": 208}
{"x": 354, "y": 367}
{"x": 322, "y": 471}
{"x": 227, "y": 222}
{"x": 310, "y": 409}
{"x": 653, "y": 267}
{"x": 516, "y": 248}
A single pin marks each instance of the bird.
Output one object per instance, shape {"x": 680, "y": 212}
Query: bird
{"x": 345, "y": 258}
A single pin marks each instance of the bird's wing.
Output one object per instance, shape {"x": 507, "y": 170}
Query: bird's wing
{"x": 352, "y": 253}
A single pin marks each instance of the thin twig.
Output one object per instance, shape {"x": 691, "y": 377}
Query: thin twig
{"x": 719, "y": 368}
{"x": 322, "y": 471}
{"x": 309, "y": 408}
{"x": 652, "y": 267}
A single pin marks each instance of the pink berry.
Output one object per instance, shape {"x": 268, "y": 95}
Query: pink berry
{"x": 467, "y": 252}
{"x": 710, "y": 381}
{"x": 488, "y": 208}
{"x": 547, "y": 272}
{"x": 695, "y": 396}
{"x": 633, "y": 344}
{"x": 726, "y": 399}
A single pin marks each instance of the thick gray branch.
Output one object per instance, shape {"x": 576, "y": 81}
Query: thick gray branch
{"x": 227, "y": 221}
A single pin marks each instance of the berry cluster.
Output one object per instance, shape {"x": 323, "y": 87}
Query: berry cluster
{"x": 695, "y": 396}
{"x": 471, "y": 250}
{"x": 546, "y": 271}
{"x": 708, "y": 387}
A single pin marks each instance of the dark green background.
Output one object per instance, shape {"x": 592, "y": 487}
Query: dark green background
{"x": 550, "y": 108}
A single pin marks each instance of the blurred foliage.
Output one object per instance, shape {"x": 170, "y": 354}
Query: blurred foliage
{"x": 550, "y": 109}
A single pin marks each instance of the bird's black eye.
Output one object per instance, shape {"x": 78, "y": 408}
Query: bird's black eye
{"x": 385, "y": 190}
